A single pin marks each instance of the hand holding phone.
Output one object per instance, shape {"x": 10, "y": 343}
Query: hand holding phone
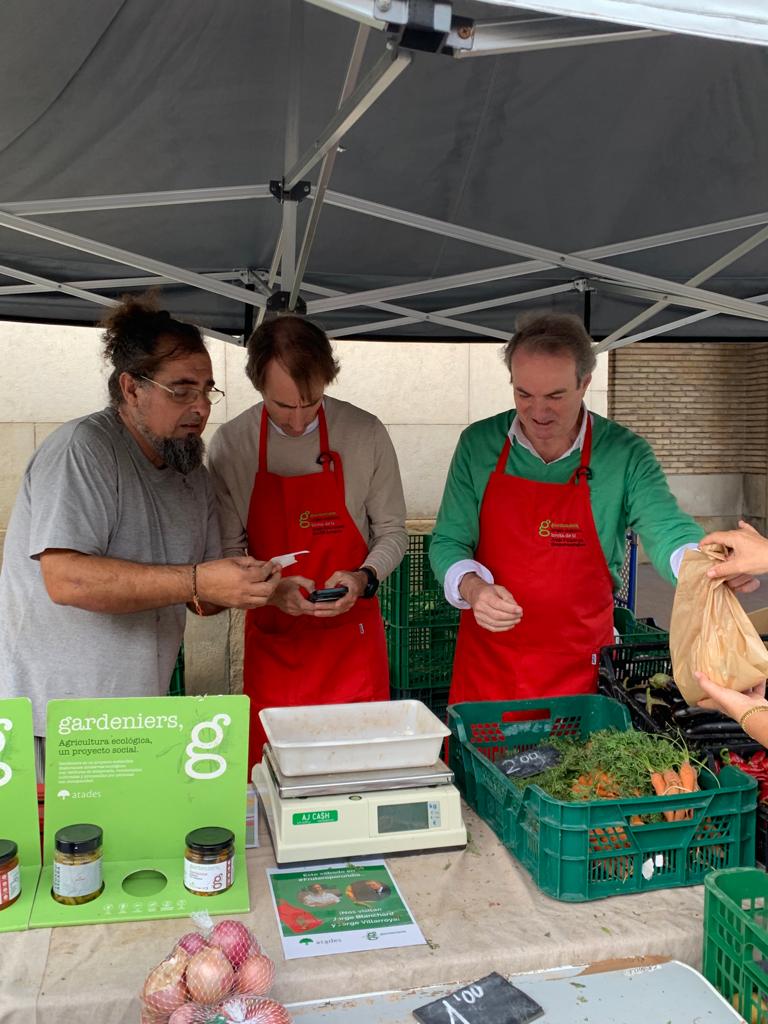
{"x": 328, "y": 594}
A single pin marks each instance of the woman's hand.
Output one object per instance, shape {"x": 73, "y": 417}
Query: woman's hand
{"x": 730, "y": 702}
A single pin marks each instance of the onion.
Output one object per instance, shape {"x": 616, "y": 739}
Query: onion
{"x": 147, "y": 1017}
{"x": 189, "y": 1013}
{"x": 233, "y": 939}
{"x": 209, "y": 976}
{"x": 234, "y": 1009}
{"x": 164, "y": 989}
{"x": 255, "y": 975}
{"x": 192, "y": 942}
{"x": 266, "y": 1011}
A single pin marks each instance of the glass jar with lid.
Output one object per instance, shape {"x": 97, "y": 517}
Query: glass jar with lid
{"x": 10, "y": 873}
{"x": 77, "y": 864}
{"x": 209, "y": 861}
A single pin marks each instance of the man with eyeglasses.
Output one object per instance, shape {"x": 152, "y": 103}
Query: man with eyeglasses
{"x": 114, "y": 531}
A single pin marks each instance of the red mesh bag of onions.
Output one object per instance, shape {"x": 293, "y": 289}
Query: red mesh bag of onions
{"x": 217, "y": 975}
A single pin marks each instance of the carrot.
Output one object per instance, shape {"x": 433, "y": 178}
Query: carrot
{"x": 674, "y": 788}
{"x": 688, "y": 777}
{"x": 660, "y": 789}
{"x": 636, "y": 819}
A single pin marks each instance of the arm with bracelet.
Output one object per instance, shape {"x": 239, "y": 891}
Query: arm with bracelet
{"x": 745, "y": 708}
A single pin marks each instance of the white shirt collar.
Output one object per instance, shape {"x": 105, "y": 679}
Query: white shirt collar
{"x": 517, "y": 436}
{"x": 310, "y": 429}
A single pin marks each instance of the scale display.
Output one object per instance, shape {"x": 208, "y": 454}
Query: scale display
{"x": 408, "y": 817}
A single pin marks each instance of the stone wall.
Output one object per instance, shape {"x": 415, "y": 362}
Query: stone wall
{"x": 703, "y": 407}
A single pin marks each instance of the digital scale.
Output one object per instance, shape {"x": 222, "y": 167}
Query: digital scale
{"x": 356, "y": 814}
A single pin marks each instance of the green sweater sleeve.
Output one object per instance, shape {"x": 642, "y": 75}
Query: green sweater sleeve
{"x": 652, "y": 510}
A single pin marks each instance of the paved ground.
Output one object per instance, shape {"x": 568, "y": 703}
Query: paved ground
{"x": 655, "y": 596}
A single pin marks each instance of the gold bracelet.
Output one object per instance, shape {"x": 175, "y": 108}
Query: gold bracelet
{"x": 195, "y": 599}
{"x": 752, "y": 711}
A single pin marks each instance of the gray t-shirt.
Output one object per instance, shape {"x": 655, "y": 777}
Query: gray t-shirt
{"x": 90, "y": 488}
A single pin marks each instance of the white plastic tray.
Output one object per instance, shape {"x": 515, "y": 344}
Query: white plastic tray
{"x": 353, "y": 737}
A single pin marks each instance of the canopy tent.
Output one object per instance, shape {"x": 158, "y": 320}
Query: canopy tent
{"x": 348, "y": 154}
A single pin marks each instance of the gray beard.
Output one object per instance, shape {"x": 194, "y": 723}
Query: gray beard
{"x": 182, "y": 454}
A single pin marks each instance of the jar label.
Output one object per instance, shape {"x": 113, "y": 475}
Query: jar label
{"x": 77, "y": 879}
{"x": 209, "y": 877}
{"x": 10, "y": 885}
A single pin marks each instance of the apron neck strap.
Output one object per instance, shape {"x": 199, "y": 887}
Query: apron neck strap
{"x": 324, "y": 458}
{"x": 584, "y": 469}
{"x": 501, "y": 465}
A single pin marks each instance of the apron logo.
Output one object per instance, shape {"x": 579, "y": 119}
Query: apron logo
{"x": 320, "y": 522}
{"x": 562, "y": 535}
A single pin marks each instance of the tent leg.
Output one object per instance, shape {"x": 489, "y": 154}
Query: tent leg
{"x": 588, "y": 310}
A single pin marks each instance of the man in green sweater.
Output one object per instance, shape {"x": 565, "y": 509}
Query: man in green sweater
{"x": 530, "y": 536}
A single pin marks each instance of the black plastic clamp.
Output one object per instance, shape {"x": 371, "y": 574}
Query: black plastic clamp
{"x": 296, "y": 194}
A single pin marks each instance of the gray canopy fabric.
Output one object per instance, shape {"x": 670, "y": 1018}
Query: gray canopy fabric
{"x": 138, "y": 140}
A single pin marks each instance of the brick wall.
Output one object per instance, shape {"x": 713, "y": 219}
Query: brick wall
{"x": 703, "y": 406}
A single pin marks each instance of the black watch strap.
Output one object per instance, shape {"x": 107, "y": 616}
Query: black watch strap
{"x": 373, "y": 581}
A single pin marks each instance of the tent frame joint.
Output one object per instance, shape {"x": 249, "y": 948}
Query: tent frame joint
{"x": 280, "y": 302}
{"x": 300, "y": 191}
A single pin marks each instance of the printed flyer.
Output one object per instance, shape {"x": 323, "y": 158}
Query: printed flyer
{"x": 340, "y": 908}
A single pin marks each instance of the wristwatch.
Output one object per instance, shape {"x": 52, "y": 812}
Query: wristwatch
{"x": 373, "y": 582}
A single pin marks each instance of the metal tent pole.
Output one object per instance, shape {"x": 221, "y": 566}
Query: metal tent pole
{"x": 719, "y": 264}
{"x": 326, "y": 170}
{"x": 130, "y": 259}
{"x": 695, "y": 297}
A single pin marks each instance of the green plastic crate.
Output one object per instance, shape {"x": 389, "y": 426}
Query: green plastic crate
{"x": 411, "y": 595}
{"x": 420, "y": 657}
{"x": 736, "y": 939}
{"x": 435, "y": 697}
{"x": 587, "y": 850}
{"x": 421, "y": 626}
{"x": 637, "y": 631}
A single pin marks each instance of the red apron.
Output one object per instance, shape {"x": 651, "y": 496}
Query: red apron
{"x": 293, "y": 660}
{"x": 539, "y": 541}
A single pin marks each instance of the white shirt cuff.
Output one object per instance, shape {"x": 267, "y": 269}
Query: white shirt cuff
{"x": 456, "y": 574}
{"x": 677, "y": 556}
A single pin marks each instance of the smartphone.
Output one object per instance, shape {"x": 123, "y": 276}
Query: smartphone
{"x": 331, "y": 594}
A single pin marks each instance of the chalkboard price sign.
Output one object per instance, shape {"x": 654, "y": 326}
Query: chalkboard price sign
{"x": 530, "y": 762}
{"x": 491, "y": 1000}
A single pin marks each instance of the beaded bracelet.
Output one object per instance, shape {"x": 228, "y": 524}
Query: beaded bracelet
{"x": 752, "y": 711}
{"x": 195, "y": 599}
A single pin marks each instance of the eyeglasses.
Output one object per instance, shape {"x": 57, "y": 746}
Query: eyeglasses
{"x": 185, "y": 395}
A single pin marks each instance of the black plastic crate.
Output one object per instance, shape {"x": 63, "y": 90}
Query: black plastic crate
{"x": 638, "y": 663}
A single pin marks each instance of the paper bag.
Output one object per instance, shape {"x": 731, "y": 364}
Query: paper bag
{"x": 710, "y": 632}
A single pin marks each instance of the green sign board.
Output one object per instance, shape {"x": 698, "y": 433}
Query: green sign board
{"x": 315, "y": 817}
{"x": 147, "y": 771}
{"x": 18, "y": 805}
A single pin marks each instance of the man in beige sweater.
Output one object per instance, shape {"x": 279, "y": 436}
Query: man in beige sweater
{"x": 302, "y": 472}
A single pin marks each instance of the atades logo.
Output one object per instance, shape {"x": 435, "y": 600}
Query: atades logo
{"x": 561, "y": 535}
{"x": 320, "y": 522}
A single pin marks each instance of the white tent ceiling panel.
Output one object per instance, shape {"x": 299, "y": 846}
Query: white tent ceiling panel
{"x": 738, "y": 21}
